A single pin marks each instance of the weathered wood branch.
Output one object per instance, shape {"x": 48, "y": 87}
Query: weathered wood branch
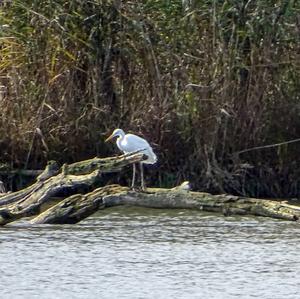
{"x": 81, "y": 167}
{"x": 31, "y": 204}
{"x": 75, "y": 208}
{"x": 103, "y": 165}
{"x": 28, "y": 202}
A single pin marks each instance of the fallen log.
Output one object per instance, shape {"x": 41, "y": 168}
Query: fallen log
{"x": 77, "y": 207}
{"x": 29, "y": 201}
{"x": 102, "y": 165}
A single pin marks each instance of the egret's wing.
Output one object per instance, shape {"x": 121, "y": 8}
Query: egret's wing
{"x": 133, "y": 143}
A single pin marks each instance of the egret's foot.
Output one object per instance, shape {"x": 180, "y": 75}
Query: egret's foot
{"x": 138, "y": 189}
{"x": 143, "y": 189}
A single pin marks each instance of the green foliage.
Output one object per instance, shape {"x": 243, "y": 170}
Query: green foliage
{"x": 201, "y": 80}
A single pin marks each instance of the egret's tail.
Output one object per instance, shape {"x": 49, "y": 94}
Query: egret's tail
{"x": 152, "y": 158}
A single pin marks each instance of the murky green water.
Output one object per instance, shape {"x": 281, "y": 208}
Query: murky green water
{"x": 139, "y": 253}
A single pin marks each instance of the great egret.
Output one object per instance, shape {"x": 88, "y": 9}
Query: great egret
{"x": 129, "y": 143}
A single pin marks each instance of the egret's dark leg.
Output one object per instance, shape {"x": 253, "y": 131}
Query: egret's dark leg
{"x": 142, "y": 176}
{"x": 133, "y": 176}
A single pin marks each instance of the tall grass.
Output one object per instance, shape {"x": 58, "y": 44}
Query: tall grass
{"x": 202, "y": 80}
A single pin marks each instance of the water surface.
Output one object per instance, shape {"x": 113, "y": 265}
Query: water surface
{"x": 147, "y": 253}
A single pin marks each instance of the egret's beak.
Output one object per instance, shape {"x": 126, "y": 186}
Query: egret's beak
{"x": 109, "y": 138}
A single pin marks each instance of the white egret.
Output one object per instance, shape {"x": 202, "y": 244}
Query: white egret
{"x": 129, "y": 143}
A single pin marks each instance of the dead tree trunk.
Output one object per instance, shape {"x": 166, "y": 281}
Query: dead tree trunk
{"x": 31, "y": 200}
{"x": 75, "y": 208}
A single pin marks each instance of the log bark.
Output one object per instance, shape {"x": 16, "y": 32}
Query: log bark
{"x": 75, "y": 208}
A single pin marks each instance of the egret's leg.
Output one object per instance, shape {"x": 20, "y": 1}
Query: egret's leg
{"x": 142, "y": 176}
{"x": 133, "y": 176}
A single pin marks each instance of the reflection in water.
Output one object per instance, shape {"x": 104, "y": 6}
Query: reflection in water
{"x": 146, "y": 253}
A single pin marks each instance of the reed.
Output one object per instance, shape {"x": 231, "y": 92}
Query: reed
{"x": 203, "y": 80}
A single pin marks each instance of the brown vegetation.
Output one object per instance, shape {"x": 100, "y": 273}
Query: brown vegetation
{"x": 201, "y": 82}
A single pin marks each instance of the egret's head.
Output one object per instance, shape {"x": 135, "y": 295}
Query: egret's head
{"x": 116, "y": 133}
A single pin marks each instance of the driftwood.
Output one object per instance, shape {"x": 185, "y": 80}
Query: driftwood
{"x": 32, "y": 200}
{"x": 75, "y": 208}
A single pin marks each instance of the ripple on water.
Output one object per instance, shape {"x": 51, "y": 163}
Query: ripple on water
{"x": 146, "y": 253}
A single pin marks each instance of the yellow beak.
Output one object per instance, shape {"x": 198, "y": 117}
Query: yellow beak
{"x": 109, "y": 138}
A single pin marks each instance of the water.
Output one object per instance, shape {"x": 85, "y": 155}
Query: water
{"x": 145, "y": 253}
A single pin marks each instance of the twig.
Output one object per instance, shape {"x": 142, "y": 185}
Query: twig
{"x": 266, "y": 146}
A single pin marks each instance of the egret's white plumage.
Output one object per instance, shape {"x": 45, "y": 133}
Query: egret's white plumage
{"x": 129, "y": 143}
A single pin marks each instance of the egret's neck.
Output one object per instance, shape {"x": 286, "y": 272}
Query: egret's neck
{"x": 119, "y": 139}
{"x": 121, "y": 135}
